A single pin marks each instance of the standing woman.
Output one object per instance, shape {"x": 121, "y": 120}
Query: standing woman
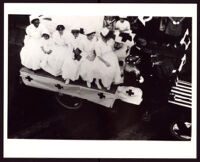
{"x": 89, "y": 63}
{"x": 109, "y": 69}
{"x": 54, "y": 61}
{"x": 30, "y": 54}
{"x": 71, "y": 66}
{"x": 46, "y": 46}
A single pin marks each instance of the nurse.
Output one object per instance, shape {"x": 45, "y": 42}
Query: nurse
{"x": 55, "y": 60}
{"x": 31, "y": 53}
{"x": 71, "y": 66}
{"x": 34, "y": 30}
{"x": 89, "y": 64}
{"x": 109, "y": 69}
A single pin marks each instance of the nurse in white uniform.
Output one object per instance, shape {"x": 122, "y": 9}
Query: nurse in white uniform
{"x": 89, "y": 63}
{"x": 55, "y": 60}
{"x": 108, "y": 62}
{"x": 71, "y": 66}
{"x": 31, "y": 53}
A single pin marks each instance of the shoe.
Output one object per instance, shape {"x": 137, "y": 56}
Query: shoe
{"x": 67, "y": 81}
{"x": 89, "y": 84}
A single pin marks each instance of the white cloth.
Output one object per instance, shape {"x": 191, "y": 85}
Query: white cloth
{"x": 54, "y": 61}
{"x": 32, "y": 17}
{"x": 123, "y": 27}
{"x": 33, "y": 33}
{"x": 88, "y": 68}
{"x": 110, "y": 74}
{"x": 143, "y": 21}
{"x": 31, "y": 52}
{"x": 71, "y": 67}
{"x": 129, "y": 94}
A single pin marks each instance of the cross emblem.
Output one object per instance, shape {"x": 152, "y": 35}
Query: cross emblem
{"x": 130, "y": 92}
{"x": 101, "y": 95}
{"x": 29, "y": 78}
{"x": 187, "y": 39}
{"x": 59, "y": 86}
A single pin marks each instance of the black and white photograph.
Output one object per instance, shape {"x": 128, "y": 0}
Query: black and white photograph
{"x": 109, "y": 77}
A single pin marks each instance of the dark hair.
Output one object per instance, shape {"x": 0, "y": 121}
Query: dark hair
{"x": 90, "y": 33}
{"x": 32, "y": 22}
{"x": 73, "y": 30}
{"x": 60, "y": 27}
{"x": 45, "y": 34}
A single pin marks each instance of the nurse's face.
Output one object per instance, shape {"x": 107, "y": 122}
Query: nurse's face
{"x": 46, "y": 37}
{"x": 91, "y": 36}
{"x": 61, "y": 32}
{"x": 75, "y": 33}
{"x": 118, "y": 45}
{"x": 36, "y": 22}
{"x": 121, "y": 20}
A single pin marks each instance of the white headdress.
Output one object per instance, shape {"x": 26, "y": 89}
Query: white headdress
{"x": 33, "y": 17}
{"x": 105, "y": 31}
{"x": 89, "y": 31}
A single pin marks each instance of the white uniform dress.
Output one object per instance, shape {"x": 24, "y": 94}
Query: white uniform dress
{"x": 54, "y": 61}
{"x": 71, "y": 67}
{"x": 112, "y": 73}
{"x": 30, "y": 54}
{"x": 88, "y": 68}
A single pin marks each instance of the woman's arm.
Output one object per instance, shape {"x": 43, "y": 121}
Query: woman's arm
{"x": 43, "y": 49}
{"x": 104, "y": 61}
{"x": 46, "y": 52}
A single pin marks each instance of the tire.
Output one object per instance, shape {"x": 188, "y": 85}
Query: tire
{"x": 183, "y": 134}
{"x": 68, "y": 102}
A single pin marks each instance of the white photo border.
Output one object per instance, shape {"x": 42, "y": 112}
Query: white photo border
{"x": 18, "y": 148}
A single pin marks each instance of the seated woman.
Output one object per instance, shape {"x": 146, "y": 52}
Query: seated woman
{"x": 71, "y": 66}
{"x": 55, "y": 60}
{"x": 109, "y": 70}
{"x": 89, "y": 63}
{"x": 30, "y": 54}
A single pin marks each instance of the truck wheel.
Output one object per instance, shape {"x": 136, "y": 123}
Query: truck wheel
{"x": 181, "y": 130}
{"x": 68, "y": 102}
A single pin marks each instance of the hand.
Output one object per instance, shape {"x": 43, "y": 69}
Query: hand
{"x": 91, "y": 58}
{"x": 107, "y": 64}
{"x": 50, "y": 51}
